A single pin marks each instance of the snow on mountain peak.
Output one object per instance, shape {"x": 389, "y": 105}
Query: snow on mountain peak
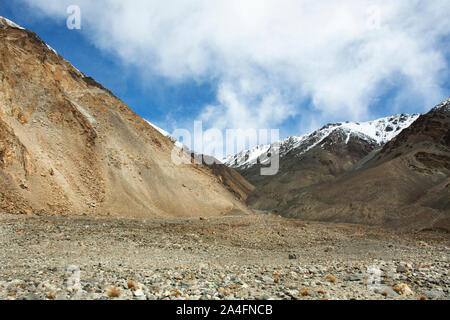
{"x": 378, "y": 131}
{"x": 443, "y": 106}
{"x": 4, "y": 22}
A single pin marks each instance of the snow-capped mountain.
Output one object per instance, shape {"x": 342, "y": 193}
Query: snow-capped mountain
{"x": 378, "y": 132}
{"x": 444, "y": 106}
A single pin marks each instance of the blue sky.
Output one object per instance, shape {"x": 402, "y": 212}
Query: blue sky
{"x": 291, "y": 65}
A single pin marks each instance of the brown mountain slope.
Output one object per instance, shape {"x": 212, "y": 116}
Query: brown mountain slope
{"x": 69, "y": 146}
{"x": 233, "y": 180}
{"x": 323, "y": 163}
{"x": 404, "y": 185}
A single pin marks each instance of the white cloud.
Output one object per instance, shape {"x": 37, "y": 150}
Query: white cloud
{"x": 268, "y": 55}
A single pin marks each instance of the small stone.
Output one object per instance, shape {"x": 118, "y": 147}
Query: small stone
{"x": 433, "y": 294}
{"x": 267, "y": 279}
{"x": 139, "y": 293}
{"x": 403, "y": 289}
{"x": 292, "y": 256}
{"x": 401, "y": 269}
{"x": 32, "y": 297}
{"x": 386, "y": 291}
{"x": 353, "y": 277}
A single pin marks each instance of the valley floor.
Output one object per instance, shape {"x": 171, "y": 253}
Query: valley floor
{"x": 252, "y": 257}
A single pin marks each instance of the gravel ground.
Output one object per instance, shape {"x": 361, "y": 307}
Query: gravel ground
{"x": 252, "y": 257}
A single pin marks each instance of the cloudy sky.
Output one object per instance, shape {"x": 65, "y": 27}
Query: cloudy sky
{"x": 289, "y": 64}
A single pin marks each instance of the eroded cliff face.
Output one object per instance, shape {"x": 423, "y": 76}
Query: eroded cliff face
{"x": 68, "y": 146}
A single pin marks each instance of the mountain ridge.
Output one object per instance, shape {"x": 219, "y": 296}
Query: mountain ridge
{"x": 404, "y": 184}
{"x": 379, "y": 131}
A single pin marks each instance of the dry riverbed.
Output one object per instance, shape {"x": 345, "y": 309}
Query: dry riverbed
{"x": 253, "y": 257}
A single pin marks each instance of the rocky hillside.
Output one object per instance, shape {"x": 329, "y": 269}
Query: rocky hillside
{"x": 404, "y": 184}
{"x": 68, "y": 146}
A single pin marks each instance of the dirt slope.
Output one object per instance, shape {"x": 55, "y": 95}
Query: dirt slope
{"x": 68, "y": 146}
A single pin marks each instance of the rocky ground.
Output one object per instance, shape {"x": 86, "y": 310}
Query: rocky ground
{"x": 253, "y": 257}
